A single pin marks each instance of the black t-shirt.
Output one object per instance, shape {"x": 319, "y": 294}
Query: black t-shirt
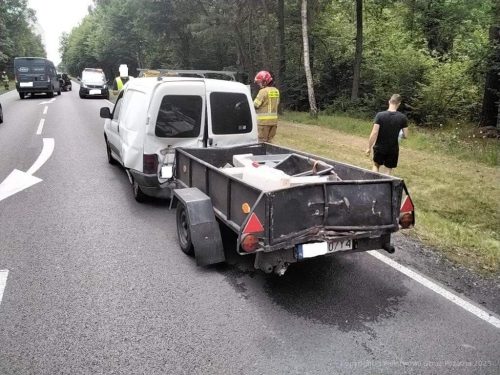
{"x": 390, "y": 125}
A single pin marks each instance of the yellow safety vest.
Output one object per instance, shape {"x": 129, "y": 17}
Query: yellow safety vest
{"x": 266, "y": 105}
{"x": 119, "y": 83}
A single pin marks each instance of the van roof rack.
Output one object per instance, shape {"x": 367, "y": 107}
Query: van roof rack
{"x": 220, "y": 74}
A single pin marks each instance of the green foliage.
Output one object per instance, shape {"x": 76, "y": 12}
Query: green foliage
{"x": 449, "y": 92}
{"x": 432, "y": 52}
{"x": 17, "y": 37}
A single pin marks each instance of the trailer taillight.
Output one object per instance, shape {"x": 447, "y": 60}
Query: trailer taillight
{"x": 149, "y": 164}
{"x": 249, "y": 237}
{"x": 249, "y": 243}
{"x": 406, "y": 216}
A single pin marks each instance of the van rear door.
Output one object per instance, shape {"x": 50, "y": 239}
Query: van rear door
{"x": 231, "y": 119}
{"x": 177, "y": 117}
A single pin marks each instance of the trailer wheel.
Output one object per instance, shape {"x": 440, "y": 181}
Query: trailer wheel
{"x": 184, "y": 230}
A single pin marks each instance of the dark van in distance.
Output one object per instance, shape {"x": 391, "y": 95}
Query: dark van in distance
{"x": 35, "y": 75}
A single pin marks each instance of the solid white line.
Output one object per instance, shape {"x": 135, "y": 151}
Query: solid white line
{"x": 45, "y": 110}
{"x": 40, "y": 126}
{"x": 3, "y": 282}
{"x": 48, "y": 148}
{"x": 482, "y": 314}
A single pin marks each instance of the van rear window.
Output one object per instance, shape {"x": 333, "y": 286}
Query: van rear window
{"x": 32, "y": 66}
{"x": 179, "y": 116}
{"x": 230, "y": 113}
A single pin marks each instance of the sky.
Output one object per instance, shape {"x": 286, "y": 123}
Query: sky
{"x": 55, "y": 17}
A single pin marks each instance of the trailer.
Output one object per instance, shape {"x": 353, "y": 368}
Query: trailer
{"x": 282, "y": 205}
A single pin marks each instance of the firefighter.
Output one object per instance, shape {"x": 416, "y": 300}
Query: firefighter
{"x": 121, "y": 80}
{"x": 266, "y": 105}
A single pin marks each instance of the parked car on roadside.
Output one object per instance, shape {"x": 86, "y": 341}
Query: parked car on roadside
{"x": 1, "y": 114}
{"x": 64, "y": 81}
{"x": 93, "y": 84}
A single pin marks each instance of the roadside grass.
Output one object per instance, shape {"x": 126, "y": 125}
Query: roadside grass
{"x": 455, "y": 184}
{"x": 461, "y": 140}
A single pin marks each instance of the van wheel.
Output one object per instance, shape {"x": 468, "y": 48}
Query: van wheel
{"x": 21, "y": 95}
{"x": 111, "y": 160}
{"x": 50, "y": 94}
{"x": 59, "y": 92}
{"x": 184, "y": 230}
{"x": 138, "y": 194}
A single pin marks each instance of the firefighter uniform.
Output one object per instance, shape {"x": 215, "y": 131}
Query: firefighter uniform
{"x": 266, "y": 105}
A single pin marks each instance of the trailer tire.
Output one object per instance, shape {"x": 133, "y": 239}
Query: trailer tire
{"x": 184, "y": 230}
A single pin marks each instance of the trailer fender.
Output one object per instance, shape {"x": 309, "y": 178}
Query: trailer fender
{"x": 203, "y": 227}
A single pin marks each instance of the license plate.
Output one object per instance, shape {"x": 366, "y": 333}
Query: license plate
{"x": 311, "y": 250}
{"x": 94, "y": 92}
{"x": 25, "y": 84}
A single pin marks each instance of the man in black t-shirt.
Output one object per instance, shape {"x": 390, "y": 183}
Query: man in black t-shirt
{"x": 384, "y": 136}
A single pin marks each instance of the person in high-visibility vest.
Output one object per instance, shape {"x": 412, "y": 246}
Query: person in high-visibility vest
{"x": 266, "y": 105}
{"x": 5, "y": 80}
{"x": 121, "y": 80}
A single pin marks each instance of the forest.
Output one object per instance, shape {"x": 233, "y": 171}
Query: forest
{"x": 442, "y": 56}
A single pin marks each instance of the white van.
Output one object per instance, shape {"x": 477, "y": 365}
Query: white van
{"x": 154, "y": 115}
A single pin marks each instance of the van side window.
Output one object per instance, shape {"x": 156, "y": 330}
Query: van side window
{"x": 179, "y": 116}
{"x": 230, "y": 113}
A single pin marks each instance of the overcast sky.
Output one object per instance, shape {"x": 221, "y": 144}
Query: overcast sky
{"x": 55, "y": 17}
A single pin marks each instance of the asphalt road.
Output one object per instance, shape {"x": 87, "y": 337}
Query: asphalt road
{"x": 97, "y": 284}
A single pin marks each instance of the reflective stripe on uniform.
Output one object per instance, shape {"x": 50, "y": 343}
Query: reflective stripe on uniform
{"x": 267, "y": 116}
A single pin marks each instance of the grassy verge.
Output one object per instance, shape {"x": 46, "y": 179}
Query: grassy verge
{"x": 452, "y": 174}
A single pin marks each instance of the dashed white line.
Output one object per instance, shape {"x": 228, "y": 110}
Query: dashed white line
{"x": 3, "y": 282}
{"x": 480, "y": 313}
{"x": 40, "y": 126}
{"x": 45, "y": 110}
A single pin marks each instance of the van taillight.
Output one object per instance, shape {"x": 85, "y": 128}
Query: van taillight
{"x": 150, "y": 164}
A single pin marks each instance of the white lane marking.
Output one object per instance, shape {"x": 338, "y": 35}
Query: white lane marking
{"x": 480, "y": 313}
{"x": 45, "y": 110}
{"x": 3, "y": 282}
{"x": 15, "y": 182}
{"x": 48, "y": 148}
{"x": 47, "y": 102}
{"x": 40, "y": 126}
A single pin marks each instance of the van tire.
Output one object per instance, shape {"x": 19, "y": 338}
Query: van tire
{"x": 111, "y": 160}
{"x": 138, "y": 194}
{"x": 21, "y": 95}
{"x": 50, "y": 94}
{"x": 184, "y": 230}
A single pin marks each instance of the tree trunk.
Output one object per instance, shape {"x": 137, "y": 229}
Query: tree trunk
{"x": 359, "y": 50}
{"x": 491, "y": 98}
{"x": 305, "y": 39}
{"x": 281, "y": 53}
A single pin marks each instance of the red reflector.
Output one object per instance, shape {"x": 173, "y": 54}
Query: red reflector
{"x": 254, "y": 225}
{"x": 149, "y": 164}
{"x": 407, "y": 205}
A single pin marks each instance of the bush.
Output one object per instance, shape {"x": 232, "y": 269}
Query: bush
{"x": 448, "y": 93}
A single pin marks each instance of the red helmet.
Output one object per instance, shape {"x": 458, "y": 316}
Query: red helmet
{"x": 264, "y": 77}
